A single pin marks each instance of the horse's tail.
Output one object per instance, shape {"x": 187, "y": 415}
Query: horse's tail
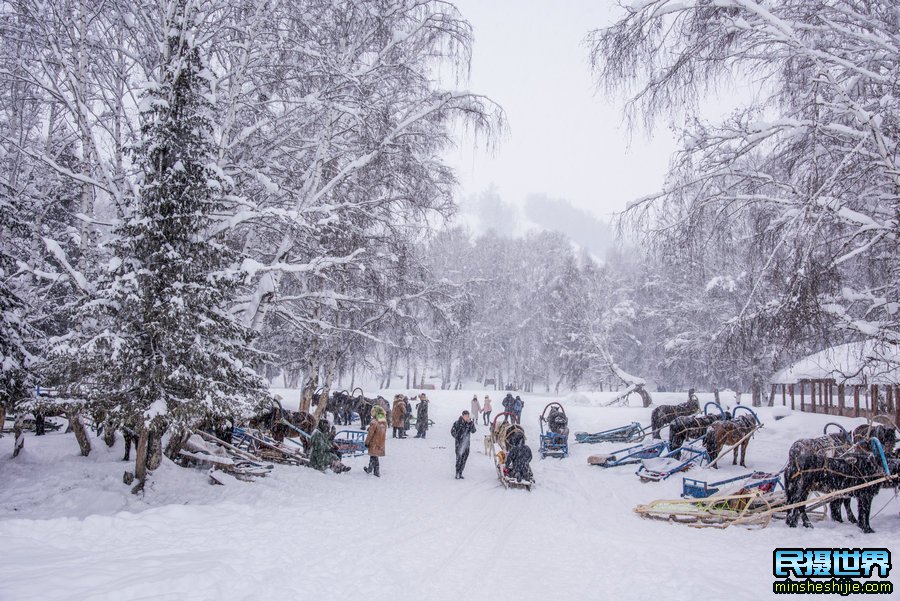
{"x": 711, "y": 442}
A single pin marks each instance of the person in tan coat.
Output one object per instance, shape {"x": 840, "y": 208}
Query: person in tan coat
{"x": 375, "y": 440}
{"x": 398, "y": 416}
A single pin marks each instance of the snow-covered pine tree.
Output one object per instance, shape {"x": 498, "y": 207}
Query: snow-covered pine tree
{"x": 165, "y": 350}
{"x": 15, "y": 377}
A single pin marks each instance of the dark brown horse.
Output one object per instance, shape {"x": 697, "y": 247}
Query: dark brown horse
{"x": 832, "y": 446}
{"x": 665, "y": 414}
{"x": 283, "y": 423}
{"x": 692, "y": 426}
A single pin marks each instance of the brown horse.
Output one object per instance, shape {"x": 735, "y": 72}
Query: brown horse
{"x": 723, "y": 433}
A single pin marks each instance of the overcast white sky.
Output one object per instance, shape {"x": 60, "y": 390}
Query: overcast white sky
{"x": 565, "y": 140}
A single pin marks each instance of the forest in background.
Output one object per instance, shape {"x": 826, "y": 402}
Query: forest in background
{"x": 197, "y": 196}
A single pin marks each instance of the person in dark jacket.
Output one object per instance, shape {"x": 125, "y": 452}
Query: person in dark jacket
{"x": 518, "y": 459}
{"x": 422, "y": 416}
{"x": 322, "y": 453}
{"x": 462, "y": 429}
{"x": 518, "y": 405}
{"x": 508, "y": 402}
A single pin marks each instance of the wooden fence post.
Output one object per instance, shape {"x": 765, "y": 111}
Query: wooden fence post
{"x": 792, "y": 397}
{"x": 841, "y": 403}
{"x": 855, "y": 400}
{"x": 802, "y": 393}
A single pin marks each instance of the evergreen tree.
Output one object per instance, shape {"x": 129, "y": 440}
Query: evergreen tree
{"x": 15, "y": 377}
{"x": 162, "y": 343}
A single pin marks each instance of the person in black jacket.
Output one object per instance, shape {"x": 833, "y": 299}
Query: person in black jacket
{"x": 422, "y": 416}
{"x": 462, "y": 429}
{"x": 518, "y": 459}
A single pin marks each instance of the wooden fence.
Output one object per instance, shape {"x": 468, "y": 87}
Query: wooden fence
{"x": 831, "y": 398}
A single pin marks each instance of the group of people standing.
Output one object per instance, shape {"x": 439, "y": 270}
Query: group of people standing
{"x": 461, "y": 431}
{"x": 511, "y": 404}
{"x": 401, "y": 417}
{"x": 483, "y": 409}
{"x": 514, "y": 405}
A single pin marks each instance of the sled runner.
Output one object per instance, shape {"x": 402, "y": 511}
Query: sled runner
{"x": 500, "y": 435}
{"x": 254, "y": 441}
{"x": 633, "y": 432}
{"x": 628, "y": 455}
{"x": 668, "y": 464}
{"x": 698, "y": 489}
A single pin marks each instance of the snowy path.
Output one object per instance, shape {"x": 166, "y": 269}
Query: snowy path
{"x": 414, "y": 534}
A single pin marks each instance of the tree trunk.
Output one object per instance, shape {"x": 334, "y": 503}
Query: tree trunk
{"x": 154, "y": 446}
{"x": 109, "y": 432}
{"x": 179, "y": 437}
{"x": 84, "y": 441}
{"x": 2, "y": 416}
{"x": 18, "y": 436}
{"x": 645, "y": 396}
{"x": 310, "y": 385}
{"x": 326, "y": 388}
{"x": 140, "y": 459}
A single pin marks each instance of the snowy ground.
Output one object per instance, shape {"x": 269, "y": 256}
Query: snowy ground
{"x": 72, "y": 531}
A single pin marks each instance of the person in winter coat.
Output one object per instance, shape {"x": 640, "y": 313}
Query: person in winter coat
{"x": 518, "y": 459}
{"x": 476, "y": 408}
{"x": 408, "y": 417}
{"x": 508, "y": 402}
{"x": 422, "y": 416}
{"x": 398, "y": 417}
{"x": 518, "y": 405}
{"x": 461, "y": 431}
{"x": 558, "y": 422}
{"x": 322, "y": 454}
{"x": 375, "y": 440}
{"x": 486, "y": 408}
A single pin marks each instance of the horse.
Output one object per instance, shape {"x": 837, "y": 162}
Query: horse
{"x": 665, "y": 414}
{"x": 692, "y": 426}
{"x": 274, "y": 420}
{"x": 722, "y": 433}
{"x": 816, "y": 472}
{"x": 833, "y": 445}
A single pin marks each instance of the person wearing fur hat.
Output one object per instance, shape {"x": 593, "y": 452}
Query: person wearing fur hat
{"x": 375, "y": 440}
{"x": 422, "y": 416}
{"x": 398, "y": 416}
{"x": 322, "y": 453}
